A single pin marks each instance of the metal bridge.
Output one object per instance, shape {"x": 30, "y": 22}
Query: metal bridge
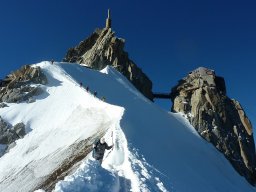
{"x": 157, "y": 95}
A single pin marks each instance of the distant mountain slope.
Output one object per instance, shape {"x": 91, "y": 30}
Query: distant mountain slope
{"x": 154, "y": 150}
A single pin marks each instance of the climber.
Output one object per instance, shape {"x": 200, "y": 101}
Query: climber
{"x": 99, "y": 148}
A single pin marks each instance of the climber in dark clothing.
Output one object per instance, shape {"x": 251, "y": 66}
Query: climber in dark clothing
{"x": 99, "y": 148}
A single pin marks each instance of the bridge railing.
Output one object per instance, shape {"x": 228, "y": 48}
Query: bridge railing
{"x": 159, "y": 95}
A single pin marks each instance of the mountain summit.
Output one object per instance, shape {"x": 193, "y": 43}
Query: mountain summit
{"x": 103, "y": 48}
{"x": 220, "y": 120}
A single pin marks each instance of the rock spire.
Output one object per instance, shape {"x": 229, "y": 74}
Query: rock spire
{"x": 201, "y": 96}
{"x": 108, "y": 20}
{"x": 103, "y": 48}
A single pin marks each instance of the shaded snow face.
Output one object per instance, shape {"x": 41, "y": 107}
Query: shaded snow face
{"x": 90, "y": 177}
{"x": 121, "y": 170}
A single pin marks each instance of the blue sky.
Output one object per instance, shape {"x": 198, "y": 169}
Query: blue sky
{"x": 167, "y": 39}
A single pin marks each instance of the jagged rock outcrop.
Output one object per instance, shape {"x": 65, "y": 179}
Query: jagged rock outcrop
{"x": 220, "y": 120}
{"x": 3, "y": 105}
{"x": 16, "y": 87}
{"x": 9, "y": 134}
{"x": 102, "y": 48}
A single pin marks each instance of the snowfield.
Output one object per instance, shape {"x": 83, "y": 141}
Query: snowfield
{"x": 154, "y": 150}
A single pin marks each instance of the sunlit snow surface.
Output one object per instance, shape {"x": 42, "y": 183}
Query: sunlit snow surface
{"x": 154, "y": 150}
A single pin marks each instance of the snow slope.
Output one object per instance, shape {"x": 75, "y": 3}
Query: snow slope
{"x": 64, "y": 115}
{"x": 153, "y": 150}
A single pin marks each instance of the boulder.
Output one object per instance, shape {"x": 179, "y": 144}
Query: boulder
{"x": 19, "y": 130}
{"x": 3, "y": 127}
{"x": 2, "y": 105}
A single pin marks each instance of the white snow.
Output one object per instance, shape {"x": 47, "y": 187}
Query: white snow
{"x": 64, "y": 115}
{"x": 154, "y": 150}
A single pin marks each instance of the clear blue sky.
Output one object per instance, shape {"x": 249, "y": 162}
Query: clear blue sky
{"x": 166, "y": 38}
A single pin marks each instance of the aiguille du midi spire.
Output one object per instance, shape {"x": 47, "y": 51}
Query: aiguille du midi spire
{"x": 103, "y": 48}
{"x": 108, "y": 20}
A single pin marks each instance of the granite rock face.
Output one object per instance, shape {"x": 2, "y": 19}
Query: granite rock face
{"x": 201, "y": 96}
{"x": 9, "y": 134}
{"x": 16, "y": 87}
{"x": 103, "y": 48}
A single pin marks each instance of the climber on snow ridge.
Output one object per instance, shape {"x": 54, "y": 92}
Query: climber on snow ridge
{"x": 99, "y": 148}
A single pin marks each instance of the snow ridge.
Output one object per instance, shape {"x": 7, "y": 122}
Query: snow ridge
{"x": 154, "y": 150}
{"x": 121, "y": 170}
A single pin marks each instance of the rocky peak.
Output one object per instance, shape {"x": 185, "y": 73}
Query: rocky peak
{"x": 201, "y": 96}
{"x": 16, "y": 87}
{"x": 203, "y": 77}
{"x": 103, "y": 48}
